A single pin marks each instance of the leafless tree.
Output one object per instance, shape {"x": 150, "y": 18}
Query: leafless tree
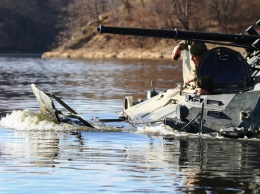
{"x": 221, "y": 10}
{"x": 181, "y": 8}
{"x": 142, "y": 2}
{"x": 128, "y": 6}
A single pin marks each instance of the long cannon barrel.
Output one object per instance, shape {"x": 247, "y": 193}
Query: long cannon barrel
{"x": 238, "y": 39}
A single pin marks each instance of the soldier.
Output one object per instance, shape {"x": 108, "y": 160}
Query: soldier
{"x": 197, "y": 49}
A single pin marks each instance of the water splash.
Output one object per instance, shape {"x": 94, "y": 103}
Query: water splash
{"x": 169, "y": 133}
{"x": 27, "y": 120}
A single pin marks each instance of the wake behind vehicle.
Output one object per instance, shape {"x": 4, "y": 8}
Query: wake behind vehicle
{"x": 232, "y": 110}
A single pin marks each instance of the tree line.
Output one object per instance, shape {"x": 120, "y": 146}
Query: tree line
{"x": 36, "y": 25}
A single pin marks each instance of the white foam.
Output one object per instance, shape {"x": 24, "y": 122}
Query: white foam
{"x": 164, "y": 130}
{"x": 27, "y": 120}
{"x": 161, "y": 130}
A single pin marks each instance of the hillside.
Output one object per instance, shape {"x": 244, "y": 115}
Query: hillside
{"x": 67, "y": 28}
{"x": 87, "y": 43}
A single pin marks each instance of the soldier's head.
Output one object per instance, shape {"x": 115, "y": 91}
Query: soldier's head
{"x": 197, "y": 49}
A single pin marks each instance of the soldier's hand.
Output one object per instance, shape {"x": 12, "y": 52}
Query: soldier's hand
{"x": 176, "y": 53}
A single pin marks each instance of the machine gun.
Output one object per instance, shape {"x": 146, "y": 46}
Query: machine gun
{"x": 250, "y": 42}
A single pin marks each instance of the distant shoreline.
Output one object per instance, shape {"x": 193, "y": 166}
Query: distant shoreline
{"x": 117, "y": 53}
{"x": 109, "y": 54}
{"x": 87, "y": 53}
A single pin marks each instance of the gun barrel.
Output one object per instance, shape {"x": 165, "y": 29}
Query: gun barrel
{"x": 137, "y": 32}
{"x": 176, "y": 34}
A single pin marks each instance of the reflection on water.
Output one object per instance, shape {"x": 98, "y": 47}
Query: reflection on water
{"x": 39, "y": 156}
{"x": 118, "y": 162}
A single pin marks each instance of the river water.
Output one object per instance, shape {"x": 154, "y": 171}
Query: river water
{"x": 37, "y": 155}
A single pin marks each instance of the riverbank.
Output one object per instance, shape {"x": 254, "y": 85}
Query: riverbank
{"x": 156, "y": 53}
{"x": 129, "y": 53}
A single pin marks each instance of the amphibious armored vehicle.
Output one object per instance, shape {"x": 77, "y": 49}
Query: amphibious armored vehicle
{"x": 232, "y": 110}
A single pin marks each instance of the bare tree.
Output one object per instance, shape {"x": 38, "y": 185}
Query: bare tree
{"x": 181, "y": 8}
{"x": 221, "y": 11}
{"x": 142, "y": 2}
{"x": 127, "y": 6}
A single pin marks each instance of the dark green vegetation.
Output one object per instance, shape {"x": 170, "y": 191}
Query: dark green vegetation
{"x": 29, "y": 25}
{"x": 38, "y": 26}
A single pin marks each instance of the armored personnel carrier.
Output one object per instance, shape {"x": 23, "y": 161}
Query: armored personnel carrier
{"x": 233, "y": 108}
